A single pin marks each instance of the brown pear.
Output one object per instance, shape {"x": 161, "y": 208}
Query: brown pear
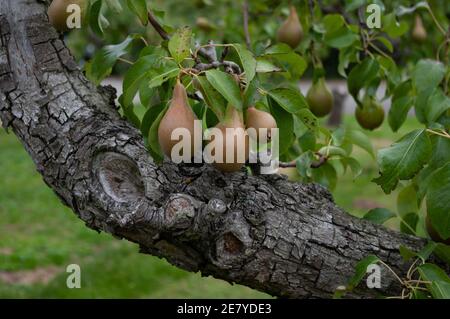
{"x": 319, "y": 98}
{"x": 231, "y": 140}
{"x": 419, "y": 34}
{"x": 257, "y": 120}
{"x": 58, "y": 15}
{"x": 291, "y": 31}
{"x": 178, "y": 115}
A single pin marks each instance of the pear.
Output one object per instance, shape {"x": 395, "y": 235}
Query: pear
{"x": 57, "y": 12}
{"x": 419, "y": 34}
{"x": 257, "y": 120}
{"x": 319, "y": 98}
{"x": 178, "y": 115}
{"x": 370, "y": 114}
{"x": 232, "y": 140}
{"x": 291, "y": 31}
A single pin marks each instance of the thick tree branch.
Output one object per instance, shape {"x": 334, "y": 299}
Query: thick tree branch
{"x": 284, "y": 238}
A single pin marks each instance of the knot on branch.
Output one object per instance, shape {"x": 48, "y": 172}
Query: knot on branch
{"x": 179, "y": 212}
{"x": 119, "y": 177}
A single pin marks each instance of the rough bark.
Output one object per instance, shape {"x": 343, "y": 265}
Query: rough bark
{"x": 284, "y": 238}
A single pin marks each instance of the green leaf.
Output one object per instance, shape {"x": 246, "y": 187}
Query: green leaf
{"x": 437, "y": 104}
{"x": 333, "y": 151}
{"x": 408, "y": 223}
{"x": 361, "y": 270}
{"x": 247, "y": 60}
{"x": 95, "y": 17}
{"x": 265, "y": 66}
{"x": 403, "y": 159}
{"x": 362, "y": 75}
{"x": 440, "y": 282}
{"x": 392, "y": 27}
{"x": 102, "y": 63}
{"x": 428, "y": 74}
{"x": 289, "y": 99}
{"x": 169, "y": 71}
{"x": 294, "y": 63}
{"x": 426, "y": 251}
{"x": 351, "y": 5}
{"x": 135, "y": 75}
{"x": 360, "y": 139}
{"x": 149, "y": 118}
{"x": 438, "y": 201}
{"x": 379, "y": 215}
{"x": 153, "y": 135}
{"x": 443, "y": 252}
{"x": 139, "y": 7}
{"x": 401, "y": 104}
{"x": 303, "y": 164}
{"x": 180, "y": 44}
{"x": 355, "y": 166}
{"x": 114, "y": 5}
{"x": 286, "y": 131}
{"x": 225, "y": 84}
{"x": 325, "y": 175}
{"x": 341, "y": 38}
{"x": 213, "y": 98}
{"x": 308, "y": 118}
{"x": 407, "y": 200}
{"x": 407, "y": 253}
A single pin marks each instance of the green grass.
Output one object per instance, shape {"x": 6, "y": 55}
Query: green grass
{"x": 38, "y": 234}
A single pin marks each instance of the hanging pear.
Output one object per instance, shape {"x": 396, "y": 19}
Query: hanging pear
{"x": 291, "y": 31}
{"x": 257, "y": 120}
{"x": 178, "y": 115}
{"x": 234, "y": 140}
{"x": 58, "y": 15}
{"x": 319, "y": 98}
{"x": 370, "y": 114}
{"x": 419, "y": 34}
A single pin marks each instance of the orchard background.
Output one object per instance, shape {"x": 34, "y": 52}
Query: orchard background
{"x": 398, "y": 66}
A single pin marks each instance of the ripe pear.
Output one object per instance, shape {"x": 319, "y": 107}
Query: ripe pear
{"x": 231, "y": 140}
{"x": 257, "y": 120}
{"x": 178, "y": 115}
{"x": 419, "y": 34}
{"x": 291, "y": 31}
{"x": 370, "y": 114}
{"x": 434, "y": 234}
{"x": 57, "y": 12}
{"x": 319, "y": 98}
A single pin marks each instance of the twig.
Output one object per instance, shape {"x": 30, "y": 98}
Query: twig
{"x": 155, "y": 24}
{"x": 322, "y": 160}
{"x": 246, "y": 32}
{"x": 125, "y": 61}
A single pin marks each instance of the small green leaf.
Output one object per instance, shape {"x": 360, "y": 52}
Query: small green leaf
{"x": 286, "y": 131}
{"x": 153, "y": 135}
{"x": 265, "y": 66}
{"x": 361, "y": 270}
{"x": 180, "y": 44}
{"x": 226, "y": 86}
{"x": 102, "y": 63}
{"x": 408, "y": 223}
{"x": 428, "y": 74}
{"x": 95, "y": 17}
{"x": 403, "y": 159}
{"x": 149, "y": 118}
{"x": 437, "y": 104}
{"x": 213, "y": 98}
{"x": 362, "y": 75}
{"x": 355, "y": 166}
{"x": 247, "y": 60}
{"x": 139, "y": 7}
{"x": 341, "y": 38}
{"x": 289, "y": 99}
{"x": 440, "y": 282}
{"x": 360, "y": 139}
{"x": 379, "y": 215}
{"x": 407, "y": 200}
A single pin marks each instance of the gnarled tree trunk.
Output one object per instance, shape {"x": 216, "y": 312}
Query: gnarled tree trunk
{"x": 284, "y": 238}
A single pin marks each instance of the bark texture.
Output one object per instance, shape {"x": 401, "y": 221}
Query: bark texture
{"x": 284, "y": 238}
